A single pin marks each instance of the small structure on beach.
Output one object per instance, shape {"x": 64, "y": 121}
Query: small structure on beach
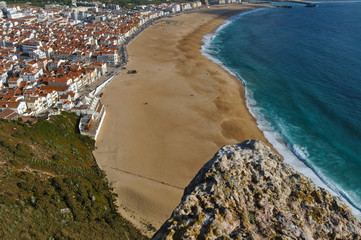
{"x": 92, "y": 117}
{"x": 85, "y": 122}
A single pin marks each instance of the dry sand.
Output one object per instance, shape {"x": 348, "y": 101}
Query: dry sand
{"x": 170, "y": 118}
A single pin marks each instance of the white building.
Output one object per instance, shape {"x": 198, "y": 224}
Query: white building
{"x": 100, "y": 66}
{"x": 13, "y": 13}
{"x": 14, "y": 82}
{"x": 31, "y": 74}
{"x": 35, "y": 104}
{"x": 3, "y": 76}
{"x": 18, "y": 107}
{"x": 51, "y": 97}
{"x": 176, "y": 8}
{"x": 108, "y": 57}
{"x": 37, "y": 54}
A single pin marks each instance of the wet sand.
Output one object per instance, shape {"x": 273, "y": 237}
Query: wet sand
{"x": 164, "y": 122}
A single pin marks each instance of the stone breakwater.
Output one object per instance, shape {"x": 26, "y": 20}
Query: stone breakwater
{"x": 247, "y": 192}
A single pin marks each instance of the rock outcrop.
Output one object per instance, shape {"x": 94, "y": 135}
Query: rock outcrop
{"x": 247, "y": 192}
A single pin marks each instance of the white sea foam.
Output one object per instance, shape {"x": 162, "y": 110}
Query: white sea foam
{"x": 294, "y": 155}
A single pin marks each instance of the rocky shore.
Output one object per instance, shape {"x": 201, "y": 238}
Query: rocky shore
{"x": 247, "y": 192}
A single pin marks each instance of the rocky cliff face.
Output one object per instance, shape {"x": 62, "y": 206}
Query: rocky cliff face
{"x": 247, "y": 192}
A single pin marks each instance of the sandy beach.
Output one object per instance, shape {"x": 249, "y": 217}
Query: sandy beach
{"x": 164, "y": 122}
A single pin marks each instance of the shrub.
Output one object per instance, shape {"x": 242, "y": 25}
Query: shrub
{"x": 251, "y": 218}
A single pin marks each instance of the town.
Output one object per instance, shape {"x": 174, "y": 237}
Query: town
{"x": 59, "y": 58}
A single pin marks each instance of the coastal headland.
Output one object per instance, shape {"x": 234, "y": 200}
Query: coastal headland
{"x": 164, "y": 122}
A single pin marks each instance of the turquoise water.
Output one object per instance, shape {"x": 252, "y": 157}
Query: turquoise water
{"x": 302, "y": 72}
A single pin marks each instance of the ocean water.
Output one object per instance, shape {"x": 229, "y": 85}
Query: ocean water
{"x": 302, "y": 71}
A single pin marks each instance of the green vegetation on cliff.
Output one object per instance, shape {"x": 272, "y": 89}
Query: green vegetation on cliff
{"x": 51, "y": 186}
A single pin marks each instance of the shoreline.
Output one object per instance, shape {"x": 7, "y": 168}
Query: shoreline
{"x": 278, "y": 145}
{"x": 150, "y": 162}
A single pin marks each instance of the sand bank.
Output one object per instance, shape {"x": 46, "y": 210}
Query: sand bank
{"x": 166, "y": 121}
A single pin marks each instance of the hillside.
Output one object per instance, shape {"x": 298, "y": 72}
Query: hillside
{"x": 247, "y": 192}
{"x": 51, "y": 186}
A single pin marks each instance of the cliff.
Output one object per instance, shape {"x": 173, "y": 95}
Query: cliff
{"x": 247, "y": 192}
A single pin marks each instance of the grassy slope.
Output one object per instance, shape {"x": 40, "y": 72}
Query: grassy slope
{"x": 51, "y": 187}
